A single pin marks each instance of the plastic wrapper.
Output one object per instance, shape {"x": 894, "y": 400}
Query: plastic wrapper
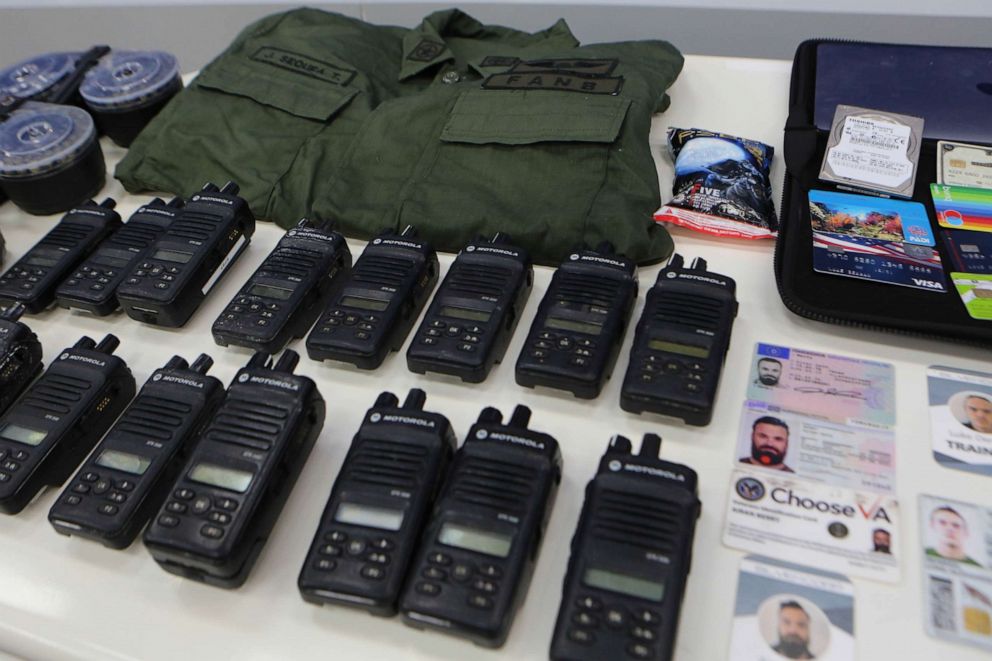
{"x": 721, "y": 185}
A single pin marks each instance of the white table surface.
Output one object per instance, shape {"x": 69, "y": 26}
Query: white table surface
{"x": 67, "y": 598}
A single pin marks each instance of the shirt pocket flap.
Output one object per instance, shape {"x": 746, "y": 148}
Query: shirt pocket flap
{"x": 300, "y": 86}
{"x": 521, "y": 117}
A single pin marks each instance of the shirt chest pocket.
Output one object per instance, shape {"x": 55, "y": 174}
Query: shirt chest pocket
{"x": 261, "y": 108}
{"x": 299, "y": 85}
{"x": 528, "y": 162}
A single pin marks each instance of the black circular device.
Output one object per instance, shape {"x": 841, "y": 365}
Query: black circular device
{"x": 50, "y": 159}
{"x": 127, "y": 89}
{"x": 38, "y": 76}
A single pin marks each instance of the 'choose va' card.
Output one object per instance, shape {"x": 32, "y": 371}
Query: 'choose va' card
{"x": 852, "y": 532}
{"x": 815, "y": 449}
{"x": 957, "y": 570}
{"x": 788, "y": 611}
{"x": 961, "y": 418}
{"x": 839, "y": 388}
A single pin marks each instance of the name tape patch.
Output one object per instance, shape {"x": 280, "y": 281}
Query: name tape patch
{"x": 577, "y": 66}
{"x": 553, "y": 81}
{"x": 499, "y": 61}
{"x": 304, "y": 65}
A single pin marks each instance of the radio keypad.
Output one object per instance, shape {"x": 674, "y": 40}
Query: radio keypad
{"x": 28, "y": 276}
{"x": 689, "y": 372}
{"x": 214, "y": 513}
{"x": 371, "y": 553}
{"x": 108, "y": 492}
{"x": 480, "y": 581}
{"x": 253, "y": 310}
{"x": 163, "y": 275}
{"x": 592, "y": 615}
{"x": 578, "y": 350}
{"x": 362, "y": 325}
{"x": 464, "y": 338}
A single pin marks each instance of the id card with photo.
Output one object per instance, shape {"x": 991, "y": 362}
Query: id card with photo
{"x": 838, "y": 388}
{"x": 961, "y": 418}
{"x": 870, "y": 238}
{"x": 856, "y": 533}
{"x": 786, "y": 611}
{"x": 809, "y": 448}
{"x": 957, "y": 570}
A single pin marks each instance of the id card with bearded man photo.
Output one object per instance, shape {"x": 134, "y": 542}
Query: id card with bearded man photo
{"x": 786, "y": 611}
{"x": 816, "y": 449}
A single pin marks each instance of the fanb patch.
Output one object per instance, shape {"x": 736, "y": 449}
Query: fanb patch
{"x": 553, "y": 81}
{"x": 304, "y": 65}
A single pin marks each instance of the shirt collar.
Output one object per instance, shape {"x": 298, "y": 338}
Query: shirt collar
{"x": 425, "y": 45}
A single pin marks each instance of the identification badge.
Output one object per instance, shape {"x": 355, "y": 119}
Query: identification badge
{"x": 786, "y": 611}
{"x": 873, "y": 150}
{"x": 961, "y": 164}
{"x": 877, "y": 239}
{"x": 852, "y": 532}
{"x": 957, "y": 579}
{"x": 961, "y": 418}
{"x": 842, "y": 389}
{"x": 815, "y": 449}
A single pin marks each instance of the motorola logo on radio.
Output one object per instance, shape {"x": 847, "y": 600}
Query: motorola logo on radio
{"x": 83, "y": 359}
{"x": 510, "y": 438}
{"x": 178, "y": 380}
{"x": 266, "y": 381}
{"x": 701, "y": 278}
{"x": 601, "y": 260}
{"x": 406, "y": 420}
{"x": 657, "y": 472}
{"x": 215, "y": 200}
{"x": 498, "y": 251}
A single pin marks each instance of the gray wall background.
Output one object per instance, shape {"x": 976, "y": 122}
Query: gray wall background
{"x": 749, "y": 28}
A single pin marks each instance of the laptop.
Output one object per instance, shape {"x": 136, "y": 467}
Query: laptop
{"x": 949, "y": 87}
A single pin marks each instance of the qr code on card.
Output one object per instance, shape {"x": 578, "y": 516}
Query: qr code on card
{"x": 942, "y": 604}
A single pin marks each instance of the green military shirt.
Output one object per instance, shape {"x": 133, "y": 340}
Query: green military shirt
{"x": 455, "y": 127}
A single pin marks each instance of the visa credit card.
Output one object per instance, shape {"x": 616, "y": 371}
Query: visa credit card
{"x": 877, "y": 239}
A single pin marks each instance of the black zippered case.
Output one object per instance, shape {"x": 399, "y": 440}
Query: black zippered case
{"x": 848, "y": 301}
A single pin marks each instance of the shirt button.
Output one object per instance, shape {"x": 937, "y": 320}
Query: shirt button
{"x": 450, "y": 77}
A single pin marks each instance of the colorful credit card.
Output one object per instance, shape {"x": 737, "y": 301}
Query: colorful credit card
{"x": 963, "y": 208}
{"x": 844, "y": 389}
{"x": 870, "y": 217}
{"x": 876, "y": 239}
{"x": 970, "y": 252}
{"x": 961, "y": 164}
